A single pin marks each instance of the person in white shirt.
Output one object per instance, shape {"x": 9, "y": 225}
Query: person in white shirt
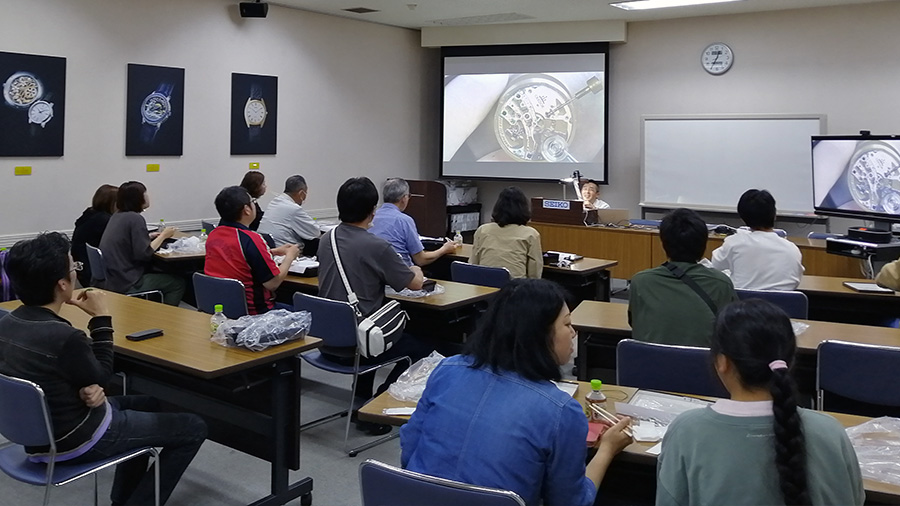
{"x": 590, "y": 195}
{"x": 759, "y": 259}
{"x": 287, "y": 222}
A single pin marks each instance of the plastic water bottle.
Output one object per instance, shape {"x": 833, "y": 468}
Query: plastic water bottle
{"x": 217, "y": 319}
{"x": 457, "y": 238}
{"x": 203, "y": 235}
{"x": 596, "y": 397}
{"x": 162, "y": 225}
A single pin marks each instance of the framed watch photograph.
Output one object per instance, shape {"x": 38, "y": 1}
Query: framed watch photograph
{"x": 254, "y": 114}
{"x": 154, "y": 105}
{"x": 32, "y": 114}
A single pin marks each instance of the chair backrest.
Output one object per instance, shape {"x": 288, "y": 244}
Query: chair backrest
{"x": 24, "y": 418}
{"x": 859, "y": 372}
{"x": 98, "y": 266}
{"x": 333, "y": 321}
{"x": 210, "y": 291}
{"x": 683, "y": 369}
{"x": 383, "y": 485}
{"x": 207, "y": 225}
{"x": 463, "y": 272}
{"x": 794, "y": 303}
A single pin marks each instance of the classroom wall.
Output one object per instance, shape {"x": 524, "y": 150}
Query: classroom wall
{"x": 352, "y": 101}
{"x": 839, "y": 61}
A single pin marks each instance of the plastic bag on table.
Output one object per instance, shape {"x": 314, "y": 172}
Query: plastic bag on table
{"x": 877, "y": 446}
{"x": 258, "y": 332}
{"x": 415, "y": 294}
{"x": 410, "y": 385}
{"x": 185, "y": 246}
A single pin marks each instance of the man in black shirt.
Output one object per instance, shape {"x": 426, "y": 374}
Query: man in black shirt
{"x": 38, "y": 345}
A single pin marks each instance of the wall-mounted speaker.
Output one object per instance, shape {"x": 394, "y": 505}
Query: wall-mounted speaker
{"x": 254, "y": 9}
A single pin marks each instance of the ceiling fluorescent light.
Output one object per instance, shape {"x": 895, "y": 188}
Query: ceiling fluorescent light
{"x": 638, "y": 5}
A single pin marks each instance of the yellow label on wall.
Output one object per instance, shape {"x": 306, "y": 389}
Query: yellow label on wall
{"x": 152, "y": 167}
{"x": 254, "y": 165}
{"x": 23, "y": 171}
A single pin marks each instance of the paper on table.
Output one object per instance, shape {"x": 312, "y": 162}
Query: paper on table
{"x": 565, "y": 386}
{"x": 398, "y": 411}
{"x": 655, "y": 449}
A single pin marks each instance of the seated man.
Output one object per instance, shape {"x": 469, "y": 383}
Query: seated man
{"x": 234, "y": 251}
{"x": 399, "y": 229}
{"x": 590, "y": 195}
{"x": 370, "y": 264}
{"x": 759, "y": 259}
{"x": 287, "y": 222}
{"x": 38, "y": 345}
{"x": 677, "y": 302}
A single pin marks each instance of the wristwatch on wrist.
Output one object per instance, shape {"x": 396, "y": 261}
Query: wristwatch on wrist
{"x": 255, "y": 111}
{"x": 155, "y": 110}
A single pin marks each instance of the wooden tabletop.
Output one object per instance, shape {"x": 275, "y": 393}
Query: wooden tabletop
{"x": 185, "y": 345}
{"x": 584, "y": 266}
{"x": 455, "y": 294}
{"x": 612, "y": 318}
{"x": 834, "y": 286}
{"x": 637, "y": 451}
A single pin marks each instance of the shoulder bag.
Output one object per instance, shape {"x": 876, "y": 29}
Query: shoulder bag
{"x": 377, "y": 332}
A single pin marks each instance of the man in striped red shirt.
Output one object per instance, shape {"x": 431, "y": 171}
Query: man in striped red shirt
{"x": 234, "y": 251}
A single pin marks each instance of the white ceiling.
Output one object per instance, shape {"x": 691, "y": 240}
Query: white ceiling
{"x": 428, "y": 13}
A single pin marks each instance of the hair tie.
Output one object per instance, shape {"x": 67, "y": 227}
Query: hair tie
{"x": 777, "y": 364}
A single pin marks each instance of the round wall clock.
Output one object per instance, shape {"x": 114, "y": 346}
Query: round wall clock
{"x": 717, "y": 58}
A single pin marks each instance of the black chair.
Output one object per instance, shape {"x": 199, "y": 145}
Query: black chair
{"x": 463, "y": 272}
{"x": 228, "y": 292}
{"x": 682, "y": 369}
{"x": 858, "y": 379}
{"x": 334, "y": 322}
{"x": 98, "y": 275}
{"x": 383, "y": 485}
{"x": 795, "y": 304}
{"x": 25, "y": 421}
{"x": 270, "y": 242}
{"x": 207, "y": 225}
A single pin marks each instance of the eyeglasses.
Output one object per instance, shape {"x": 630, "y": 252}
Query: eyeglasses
{"x": 253, "y": 200}
{"x": 77, "y": 267}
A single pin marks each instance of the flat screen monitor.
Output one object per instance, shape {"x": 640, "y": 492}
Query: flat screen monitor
{"x": 532, "y": 112}
{"x": 857, "y": 176}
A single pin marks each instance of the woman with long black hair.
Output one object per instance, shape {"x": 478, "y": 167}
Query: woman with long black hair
{"x": 757, "y": 447}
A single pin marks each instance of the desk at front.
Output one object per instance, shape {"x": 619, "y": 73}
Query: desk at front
{"x": 633, "y": 472}
{"x": 587, "y": 278}
{"x": 639, "y": 249}
{"x": 601, "y": 325}
{"x": 250, "y": 400}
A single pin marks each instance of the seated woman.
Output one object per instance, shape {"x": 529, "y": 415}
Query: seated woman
{"x": 90, "y": 226}
{"x": 590, "y": 195}
{"x": 255, "y": 184}
{"x": 757, "y": 447}
{"x": 492, "y": 417}
{"x": 128, "y": 250}
{"x": 509, "y": 241}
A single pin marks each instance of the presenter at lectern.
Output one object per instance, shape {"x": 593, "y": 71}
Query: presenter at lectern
{"x": 589, "y": 195}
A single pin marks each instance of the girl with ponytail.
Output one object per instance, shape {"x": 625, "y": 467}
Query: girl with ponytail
{"x": 757, "y": 447}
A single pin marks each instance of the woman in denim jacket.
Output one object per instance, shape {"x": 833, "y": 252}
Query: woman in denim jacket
{"x": 492, "y": 417}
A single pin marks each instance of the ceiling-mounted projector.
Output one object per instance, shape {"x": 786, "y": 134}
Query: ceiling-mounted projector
{"x": 255, "y": 9}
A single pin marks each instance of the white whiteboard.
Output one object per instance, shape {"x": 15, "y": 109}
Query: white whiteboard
{"x": 707, "y": 162}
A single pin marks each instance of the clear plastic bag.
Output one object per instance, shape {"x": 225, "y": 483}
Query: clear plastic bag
{"x": 877, "y": 446}
{"x": 258, "y": 332}
{"x": 415, "y": 294}
{"x": 410, "y": 385}
{"x": 185, "y": 246}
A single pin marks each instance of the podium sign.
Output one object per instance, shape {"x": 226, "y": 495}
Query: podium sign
{"x": 563, "y": 212}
